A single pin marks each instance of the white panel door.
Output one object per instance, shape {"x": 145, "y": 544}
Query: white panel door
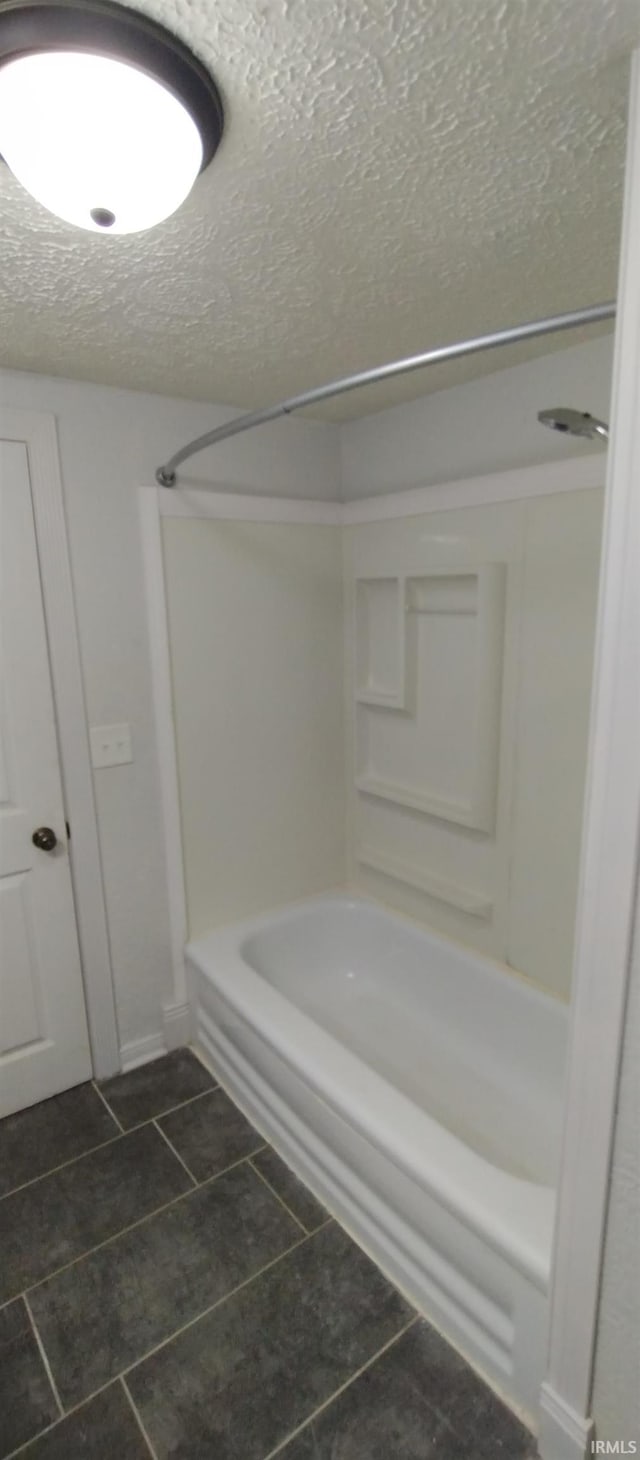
{"x": 44, "y": 1042}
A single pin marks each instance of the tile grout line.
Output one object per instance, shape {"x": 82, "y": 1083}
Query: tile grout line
{"x": 275, "y": 1193}
{"x": 293, "y": 1434}
{"x": 136, "y": 1364}
{"x": 72, "y": 1160}
{"x": 174, "y": 1152}
{"x": 122, "y": 1374}
{"x": 56, "y": 1423}
{"x": 159, "y": 1114}
{"x": 117, "y": 1136}
{"x": 108, "y": 1107}
{"x": 130, "y": 1228}
{"x": 40, "y": 1282}
{"x": 43, "y": 1354}
{"x": 138, "y": 1417}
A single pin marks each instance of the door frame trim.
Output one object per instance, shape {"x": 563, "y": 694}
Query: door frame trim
{"x": 37, "y": 431}
{"x": 607, "y": 900}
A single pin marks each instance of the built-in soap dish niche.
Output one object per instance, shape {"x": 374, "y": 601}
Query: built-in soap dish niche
{"x": 431, "y": 647}
{"x": 380, "y": 642}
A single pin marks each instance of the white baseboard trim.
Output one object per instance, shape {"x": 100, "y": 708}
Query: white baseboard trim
{"x": 175, "y": 1032}
{"x": 176, "y": 1019}
{"x": 140, "y": 1051}
{"x": 564, "y": 1434}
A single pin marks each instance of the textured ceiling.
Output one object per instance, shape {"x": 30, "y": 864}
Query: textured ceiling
{"x": 394, "y": 174}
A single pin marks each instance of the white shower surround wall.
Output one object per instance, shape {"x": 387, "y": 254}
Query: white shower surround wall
{"x": 506, "y": 1347}
{"x": 468, "y": 670}
{"x": 425, "y": 1111}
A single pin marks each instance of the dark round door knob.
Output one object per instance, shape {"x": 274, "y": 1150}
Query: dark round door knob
{"x": 45, "y": 838}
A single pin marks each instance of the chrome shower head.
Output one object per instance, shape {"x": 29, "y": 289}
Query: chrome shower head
{"x": 574, "y": 423}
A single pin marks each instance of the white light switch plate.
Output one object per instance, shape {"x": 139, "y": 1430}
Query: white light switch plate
{"x": 110, "y": 745}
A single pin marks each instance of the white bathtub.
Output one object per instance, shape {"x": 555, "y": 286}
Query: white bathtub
{"x": 417, "y": 1088}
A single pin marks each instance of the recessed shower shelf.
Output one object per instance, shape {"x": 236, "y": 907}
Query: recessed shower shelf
{"x": 464, "y": 814}
{"x": 384, "y": 699}
{"x": 380, "y": 642}
{"x": 462, "y": 898}
{"x": 429, "y": 645}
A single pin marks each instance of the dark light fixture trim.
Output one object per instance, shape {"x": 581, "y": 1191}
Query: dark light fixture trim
{"x": 107, "y": 29}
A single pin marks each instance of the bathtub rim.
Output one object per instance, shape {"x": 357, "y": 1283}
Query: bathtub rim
{"x": 515, "y": 1217}
{"x": 347, "y": 895}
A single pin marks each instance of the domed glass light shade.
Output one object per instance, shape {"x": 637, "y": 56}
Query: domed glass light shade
{"x": 105, "y": 118}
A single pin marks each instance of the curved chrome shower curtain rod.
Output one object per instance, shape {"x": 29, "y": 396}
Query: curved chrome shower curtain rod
{"x": 166, "y": 475}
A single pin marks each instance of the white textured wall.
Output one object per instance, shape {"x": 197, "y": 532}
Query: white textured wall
{"x": 110, "y": 441}
{"x": 526, "y": 866}
{"x": 616, "y": 1393}
{"x": 484, "y": 426}
{"x": 255, "y": 619}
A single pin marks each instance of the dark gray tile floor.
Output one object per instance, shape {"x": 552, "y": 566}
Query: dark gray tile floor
{"x": 210, "y": 1134}
{"x": 98, "y": 1316}
{"x": 27, "y": 1401}
{"x": 419, "y": 1399}
{"x": 48, "y": 1224}
{"x": 148, "y": 1091}
{"x": 47, "y": 1135}
{"x": 105, "y": 1428}
{"x": 175, "y": 1292}
{"x": 296, "y": 1197}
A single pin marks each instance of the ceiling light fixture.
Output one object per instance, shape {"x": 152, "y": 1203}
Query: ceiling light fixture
{"x": 106, "y": 118}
